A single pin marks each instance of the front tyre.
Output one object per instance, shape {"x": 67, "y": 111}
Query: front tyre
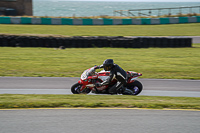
{"x": 75, "y": 89}
{"x": 136, "y": 87}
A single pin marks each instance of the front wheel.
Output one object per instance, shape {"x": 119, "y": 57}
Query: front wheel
{"x": 136, "y": 87}
{"x": 75, "y": 89}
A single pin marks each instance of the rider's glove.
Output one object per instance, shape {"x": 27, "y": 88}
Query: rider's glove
{"x": 98, "y": 84}
{"x": 96, "y": 67}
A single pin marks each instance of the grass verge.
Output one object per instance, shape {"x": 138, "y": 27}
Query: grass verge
{"x": 191, "y": 29}
{"x": 8, "y": 101}
{"x": 165, "y": 63}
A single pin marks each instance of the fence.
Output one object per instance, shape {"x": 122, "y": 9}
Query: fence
{"x": 159, "y": 11}
{"x": 66, "y": 21}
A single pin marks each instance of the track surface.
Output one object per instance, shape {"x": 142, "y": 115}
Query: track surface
{"x": 99, "y": 121}
{"x": 62, "y": 85}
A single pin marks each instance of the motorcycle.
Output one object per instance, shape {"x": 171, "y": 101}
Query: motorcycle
{"x": 89, "y": 78}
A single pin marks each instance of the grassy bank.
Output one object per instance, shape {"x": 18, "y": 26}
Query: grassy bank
{"x": 173, "y": 63}
{"x": 93, "y": 101}
{"x": 191, "y": 29}
{"x": 169, "y": 63}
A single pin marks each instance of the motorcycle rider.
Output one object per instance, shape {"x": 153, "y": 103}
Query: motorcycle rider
{"x": 115, "y": 72}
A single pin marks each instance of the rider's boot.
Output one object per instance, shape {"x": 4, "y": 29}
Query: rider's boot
{"x": 127, "y": 92}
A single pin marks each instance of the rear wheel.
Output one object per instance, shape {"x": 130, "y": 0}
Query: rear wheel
{"x": 75, "y": 89}
{"x": 136, "y": 87}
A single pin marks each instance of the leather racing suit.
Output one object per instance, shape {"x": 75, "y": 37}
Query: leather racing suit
{"x": 118, "y": 73}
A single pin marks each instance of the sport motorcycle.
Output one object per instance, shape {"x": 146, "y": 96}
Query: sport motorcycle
{"x": 89, "y": 78}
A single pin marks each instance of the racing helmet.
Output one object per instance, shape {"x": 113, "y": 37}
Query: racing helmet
{"x": 108, "y": 64}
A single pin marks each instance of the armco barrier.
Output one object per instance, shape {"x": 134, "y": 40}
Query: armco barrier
{"x": 103, "y": 21}
{"x": 96, "y": 41}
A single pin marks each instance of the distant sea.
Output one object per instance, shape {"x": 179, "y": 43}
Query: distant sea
{"x": 99, "y": 8}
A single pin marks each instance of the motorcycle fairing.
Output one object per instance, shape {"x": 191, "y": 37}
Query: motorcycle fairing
{"x": 89, "y": 75}
{"x": 132, "y": 76}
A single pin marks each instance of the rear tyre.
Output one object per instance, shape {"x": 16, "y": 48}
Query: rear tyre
{"x": 75, "y": 89}
{"x": 136, "y": 87}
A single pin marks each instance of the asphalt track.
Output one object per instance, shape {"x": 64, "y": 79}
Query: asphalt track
{"x": 99, "y": 121}
{"x": 62, "y": 85}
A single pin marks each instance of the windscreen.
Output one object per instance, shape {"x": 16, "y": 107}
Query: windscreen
{"x": 88, "y": 72}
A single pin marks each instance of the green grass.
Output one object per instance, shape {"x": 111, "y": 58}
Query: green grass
{"x": 111, "y": 30}
{"x": 166, "y": 63}
{"x": 93, "y": 101}
{"x": 173, "y": 63}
